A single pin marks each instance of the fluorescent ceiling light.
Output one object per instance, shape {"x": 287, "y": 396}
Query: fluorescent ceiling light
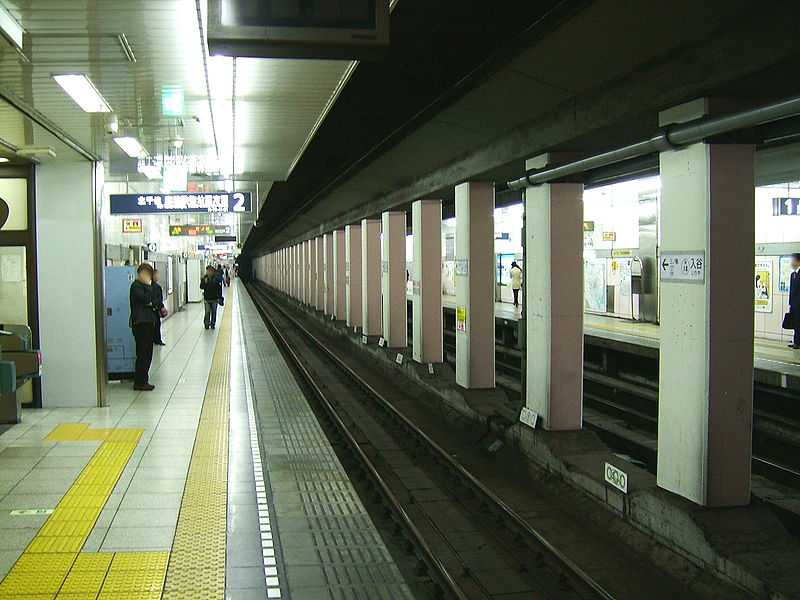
{"x": 131, "y": 146}
{"x": 150, "y": 171}
{"x": 83, "y": 92}
{"x": 10, "y": 28}
{"x": 3, "y": 159}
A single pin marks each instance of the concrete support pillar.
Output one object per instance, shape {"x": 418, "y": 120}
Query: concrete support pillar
{"x": 310, "y": 272}
{"x": 393, "y": 279}
{"x": 71, "y": 309}
{"x": 319, "y": 274}
{"x": 426, "y": 276}
{"x": 706, "y": 364}
{"x": 352, "y": 267}
{"x": 553, "y": 285}
{"x": 475, "y": 284}
{"x": 330, "y": 290}
{"x": 371, "y": 321}
{"x": 339, "y": 277}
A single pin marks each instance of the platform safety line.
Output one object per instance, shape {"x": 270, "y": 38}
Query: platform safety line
{"x": 197, "y": 562}
{"x": 271, "y": 577}
{"x": 52, "y": 566}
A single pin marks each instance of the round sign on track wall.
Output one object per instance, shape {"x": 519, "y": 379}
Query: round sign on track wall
{"x": 4, "y": 212}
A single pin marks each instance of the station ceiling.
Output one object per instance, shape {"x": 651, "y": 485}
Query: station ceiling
{"x": 575, "y": 77}
{"x": 267, "y": 108}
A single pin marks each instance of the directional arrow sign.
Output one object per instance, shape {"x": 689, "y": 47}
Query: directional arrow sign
{"x": 687, "y": 267}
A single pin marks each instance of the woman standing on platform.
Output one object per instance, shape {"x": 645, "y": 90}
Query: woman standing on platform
{"x": 516, "y": 281}
{"x": 143, "y": 321}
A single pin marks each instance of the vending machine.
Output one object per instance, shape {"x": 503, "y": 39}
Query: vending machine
{"x": 120, "y": 346}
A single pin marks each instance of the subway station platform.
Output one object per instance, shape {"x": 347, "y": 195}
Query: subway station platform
{"x": 770, "y": 355}
{"x": 165, "y": 494}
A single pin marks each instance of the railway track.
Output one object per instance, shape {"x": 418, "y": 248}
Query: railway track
{"x": 633, "y": 400}
{"x": 503, "y": 557}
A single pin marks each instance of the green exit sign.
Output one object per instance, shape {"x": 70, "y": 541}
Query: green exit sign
{"x": 172, "y": 101}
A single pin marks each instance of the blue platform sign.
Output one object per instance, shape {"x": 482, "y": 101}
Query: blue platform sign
{"x": 220, "y": 202}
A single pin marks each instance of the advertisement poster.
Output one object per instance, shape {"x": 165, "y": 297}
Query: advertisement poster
{"x": 594, "y": 285}
{"x": 461, "y": 319}
{"x": 763, "y": 287}
{"x": 785, "y": 270}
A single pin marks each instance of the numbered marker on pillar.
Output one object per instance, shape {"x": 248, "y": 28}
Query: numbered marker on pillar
{"x": 399, "y": 359}
{"x": 364, "y": 340}
{"x": 381, "y": 342}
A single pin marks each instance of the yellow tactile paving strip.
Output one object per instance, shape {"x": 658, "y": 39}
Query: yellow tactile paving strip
{"x": 652, "y": 332}
{"x": 52, "y": 566}
{"x": 197, "y": 562}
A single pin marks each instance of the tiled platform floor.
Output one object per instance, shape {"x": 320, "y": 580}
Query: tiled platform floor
{"x": 163, "y": 494}
{"x": 141, "y": 512}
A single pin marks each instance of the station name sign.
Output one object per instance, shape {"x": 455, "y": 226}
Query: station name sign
{"x": 132, "y": 204}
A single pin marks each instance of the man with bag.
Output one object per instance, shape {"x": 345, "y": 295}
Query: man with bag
{"x": 211, "y": 284}
{"x": 794, "y": 301}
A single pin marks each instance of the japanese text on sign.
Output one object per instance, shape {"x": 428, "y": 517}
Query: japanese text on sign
{"x": 683, "y": 266}
{"x": 180, "y": 203}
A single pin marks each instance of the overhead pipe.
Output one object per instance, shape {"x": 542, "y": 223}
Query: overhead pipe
{"x": 668, "y": 138}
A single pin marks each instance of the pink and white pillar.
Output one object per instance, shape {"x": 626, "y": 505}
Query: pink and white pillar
{"x": 393, "y": 280}
{"x": 352, "y": 267}
{"x": 372, "y": 323}
{"x": 426, "y": 276}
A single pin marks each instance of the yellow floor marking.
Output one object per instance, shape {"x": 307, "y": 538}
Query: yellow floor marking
{"x": 46, "y": 568}
{"x": 197, "y": 561}
{"x": 652, "y": 332}
{"x": 52, "y": 566}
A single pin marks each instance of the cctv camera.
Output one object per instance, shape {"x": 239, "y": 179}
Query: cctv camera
{"x": 111, "y": 124}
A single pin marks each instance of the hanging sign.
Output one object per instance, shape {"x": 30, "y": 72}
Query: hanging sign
{"x": 221, "y": 202}
{"x": 763, "y": 286}
{"x": 688, "y": 267}
{"x": 131, "y": 226}
{"x": 461, "y": 319}
{"x": 195, "y": 230}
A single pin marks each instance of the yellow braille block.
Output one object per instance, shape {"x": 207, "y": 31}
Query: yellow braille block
{"x": 77, "y": 596}
{"x": 45, "y": 544}
{"x": 93, "y": 561}
{"x": 59, "y": 527}
{"x": 66, "y": 432}
{"x": 29, "y": 563}
{"x": 140, "y": 561}
{"x": 151, "y": 595}
{"x": 82, "y": 582}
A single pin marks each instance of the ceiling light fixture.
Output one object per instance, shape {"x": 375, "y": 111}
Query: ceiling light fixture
{"x": 3, "y": 159}
{"x": 83, "y": 92}
{"x": 131, "y": 146}
{"x": 10, "y": 28}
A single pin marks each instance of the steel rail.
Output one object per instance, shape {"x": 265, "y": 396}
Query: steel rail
{"x": 429, "y": 556}
{"x": 583, "y": 578}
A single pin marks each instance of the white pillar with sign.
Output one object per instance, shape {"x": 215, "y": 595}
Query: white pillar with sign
{"x": 553, "y": 287}
{"x": 426, "y": 277}
{"x": 706, "y": 359}
{"x": 352, "y": 267}
{"x": 475, "y": 282}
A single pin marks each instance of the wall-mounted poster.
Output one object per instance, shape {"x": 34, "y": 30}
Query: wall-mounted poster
{"x": 785, "y": 271}
{"x": 763, "y": 286}
{"x": 594, "y": 285}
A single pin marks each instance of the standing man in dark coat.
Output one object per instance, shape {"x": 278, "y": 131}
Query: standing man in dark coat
{"x": 211, "y": 284}
{"x": 794, "y": 299}
{"x": 143, "y": 325}
{"x": 158, "y": 305}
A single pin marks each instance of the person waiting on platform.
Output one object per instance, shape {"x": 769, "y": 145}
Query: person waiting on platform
{"x": 794, "y": 300}
{"x": 142, "y": 322}
{"x": 516, "y": 281}
{"x": 211, "y": 284}
{"x": 158, "y": 305}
